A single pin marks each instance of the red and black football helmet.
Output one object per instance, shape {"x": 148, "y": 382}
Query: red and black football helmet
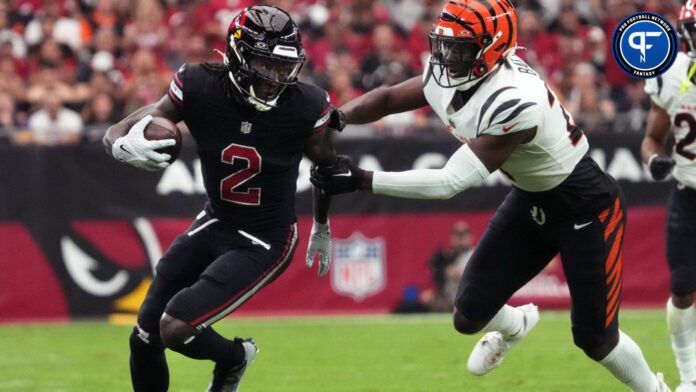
{"x": 687, "y": 27}
{"x": 264, "y": 54}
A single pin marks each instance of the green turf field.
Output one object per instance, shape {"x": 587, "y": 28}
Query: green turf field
{"x": 375, "y": 353}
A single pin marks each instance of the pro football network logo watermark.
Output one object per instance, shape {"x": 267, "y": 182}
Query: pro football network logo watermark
{"x": 645, "y": 45}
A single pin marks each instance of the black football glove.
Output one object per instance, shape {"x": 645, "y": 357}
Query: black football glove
{"x": 337, "y": 119}
{"x": 660, "y": 166}
{"x": 343, "y": 177}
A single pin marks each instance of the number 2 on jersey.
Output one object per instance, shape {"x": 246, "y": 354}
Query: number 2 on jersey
{"x": 690, "y": 137}
{"x": 229, "y": 185}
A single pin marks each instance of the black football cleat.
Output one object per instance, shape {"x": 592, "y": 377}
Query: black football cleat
{"x": 227, "y": 379}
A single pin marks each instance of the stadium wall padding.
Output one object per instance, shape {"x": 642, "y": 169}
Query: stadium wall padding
{"x": 80, "y": 233}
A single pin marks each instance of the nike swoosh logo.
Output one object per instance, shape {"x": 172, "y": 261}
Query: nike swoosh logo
{"x": 579, "y": 227}
{"x": 124, "y": 149}
{"x": 507, "y": 129}
{"x": 346, "y": 174}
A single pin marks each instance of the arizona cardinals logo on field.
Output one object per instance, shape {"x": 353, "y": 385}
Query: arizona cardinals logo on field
{"x": 246, "y": 127}
{"x": 359, "y": 268}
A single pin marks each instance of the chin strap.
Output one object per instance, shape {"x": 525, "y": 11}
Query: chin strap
{"x": 258, "y": 104}
{"x": 224, "y": 58}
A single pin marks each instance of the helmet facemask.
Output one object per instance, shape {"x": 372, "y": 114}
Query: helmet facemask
{"x": 262, "y": 77}
{"x": 459, "y": 60}
{"x": 687, "y": 31}
{"x": 470, "y": 40}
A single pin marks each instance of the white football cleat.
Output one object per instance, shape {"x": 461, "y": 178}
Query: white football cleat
{"x": 661, "y": 386}
{"x": 489, "y": 351}
{"x": 686, "y": 387}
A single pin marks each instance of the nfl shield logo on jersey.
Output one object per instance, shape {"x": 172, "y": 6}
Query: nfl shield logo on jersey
{"x": 246, "y": 127}
{"x": 359, "y": 267}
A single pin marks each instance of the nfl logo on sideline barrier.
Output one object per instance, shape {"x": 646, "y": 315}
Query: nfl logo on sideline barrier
{"x": 359, "y": 267}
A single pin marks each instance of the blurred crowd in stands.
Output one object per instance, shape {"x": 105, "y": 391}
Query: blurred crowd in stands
{"x": 69, "y": 68}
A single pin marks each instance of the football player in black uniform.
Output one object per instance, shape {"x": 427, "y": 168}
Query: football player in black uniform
{"x": 251, "y": 120}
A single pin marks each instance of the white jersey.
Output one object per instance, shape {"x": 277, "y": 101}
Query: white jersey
{"x": 514, "y": 98}
{"x": 666, "y": 92}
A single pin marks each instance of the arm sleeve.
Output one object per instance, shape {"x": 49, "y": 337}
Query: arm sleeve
{"x": 462, "y": 171}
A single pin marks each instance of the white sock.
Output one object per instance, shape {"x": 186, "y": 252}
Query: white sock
{"x": 681, "y": 326}
{"x": 508, "y": 321}
{"x": 626, "y": 363}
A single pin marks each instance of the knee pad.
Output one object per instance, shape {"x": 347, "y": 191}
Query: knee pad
{"x": 175, "y": 333}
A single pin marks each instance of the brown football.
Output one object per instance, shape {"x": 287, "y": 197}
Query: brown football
{"x": 161, "y": 128}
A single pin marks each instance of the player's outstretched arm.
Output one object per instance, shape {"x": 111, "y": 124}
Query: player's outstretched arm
{"x": 320, "y": 150}
{"x": 653, "y": 146}
{"x": 469, "y": 166}
{"x": 384, "y": 101}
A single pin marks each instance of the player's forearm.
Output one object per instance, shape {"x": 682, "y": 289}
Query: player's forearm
{"x": 162, "y": 108}
{"x": 384, "y": 101}
{"x": 368, "y": 107}
{"x": 650, "y": 147}
{"x": 322, "y": 203}
{"x": 462, "y": 171}
{"x": 121, "y": 128}
{"x": 658, "y": 127}
{"x": 418, "y": 184}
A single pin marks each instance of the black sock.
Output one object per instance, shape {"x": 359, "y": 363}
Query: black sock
{"x": 213, "y": 346}
{"x": 148, "y": 365}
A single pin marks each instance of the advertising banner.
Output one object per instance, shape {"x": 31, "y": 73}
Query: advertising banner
{"x": 80, "y": 233}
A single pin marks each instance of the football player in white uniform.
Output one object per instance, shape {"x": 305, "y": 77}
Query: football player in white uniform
{"x": 673, "y": 98}
{"x": 509, "y": 120}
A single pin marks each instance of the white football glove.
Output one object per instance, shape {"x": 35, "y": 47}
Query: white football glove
{"x": 320, "y": 242}
{"x": 134, "y": 149}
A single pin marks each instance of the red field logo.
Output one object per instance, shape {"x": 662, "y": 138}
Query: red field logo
{"x": 359, "y": 268}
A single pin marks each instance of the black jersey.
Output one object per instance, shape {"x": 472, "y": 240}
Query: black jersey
{"x": 249, "y": 159}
